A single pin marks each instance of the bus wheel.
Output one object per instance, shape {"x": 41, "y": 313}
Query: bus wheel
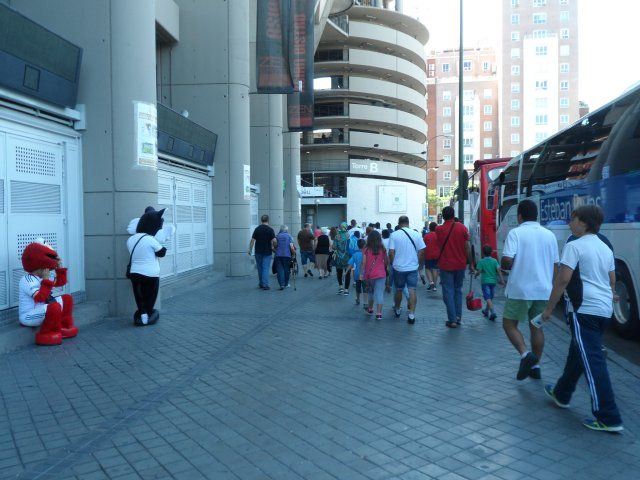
{"x": 625, "y": 312}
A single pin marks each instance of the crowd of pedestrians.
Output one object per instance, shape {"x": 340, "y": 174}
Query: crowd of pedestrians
{"x": 393, "y": 259}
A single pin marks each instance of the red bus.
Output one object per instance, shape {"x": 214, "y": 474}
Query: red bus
{"x": 483, "y": 204}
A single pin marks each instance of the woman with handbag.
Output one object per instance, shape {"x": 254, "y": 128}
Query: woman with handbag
{"x": 374, "y": 271}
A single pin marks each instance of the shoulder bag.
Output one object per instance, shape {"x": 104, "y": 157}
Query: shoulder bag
{"x": 131, "y": 256}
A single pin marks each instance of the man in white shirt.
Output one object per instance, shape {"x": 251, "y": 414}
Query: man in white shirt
{"x": 406, "y": 253}
{"x": 588, "y": 274}
{"x": 531, "y": 254}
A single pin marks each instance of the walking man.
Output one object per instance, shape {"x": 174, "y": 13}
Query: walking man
{"x": 455, "y": 254}
{"x": 264, "y": 239}
{"x": 406, "y": 254}
{"x": 531, "y": 254}
{"x": 587, "y": 273}
{"x": 306, "y": 242}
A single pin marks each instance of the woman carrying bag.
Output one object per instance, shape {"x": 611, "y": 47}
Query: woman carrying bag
{"x": 373, "y": 270}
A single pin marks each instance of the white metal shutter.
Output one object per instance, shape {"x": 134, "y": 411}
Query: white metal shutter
{"x": 4, "y": 257}
{"x": 199, "y": 228}
{"x": 165, "y": 200}
{"x": 34, "y": 200}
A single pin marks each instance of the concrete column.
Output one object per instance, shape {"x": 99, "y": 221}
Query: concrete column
{"x": 291, "y": 171}
{"x": 399, "y": 6}
{"x": 267, "y": 154}
{"x": 133, "y": 79}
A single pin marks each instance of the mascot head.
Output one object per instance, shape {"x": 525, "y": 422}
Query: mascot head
{"x": 151, "y": 222}
{"x": 39, "y": 255}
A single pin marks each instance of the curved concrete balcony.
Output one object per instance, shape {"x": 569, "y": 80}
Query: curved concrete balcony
{"x": 381, "y": 119}
{"x": 402, "y": 97}
{"x": 388, "y": 147}
{"x": 404, "y": 23}
{"x": 387, "y": 40}
{"x": 377, "y": 65}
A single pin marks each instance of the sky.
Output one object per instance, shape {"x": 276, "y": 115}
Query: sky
{"x": 606, "y": 27}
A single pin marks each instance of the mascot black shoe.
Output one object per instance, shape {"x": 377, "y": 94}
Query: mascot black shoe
{"x": 144, "y": 266}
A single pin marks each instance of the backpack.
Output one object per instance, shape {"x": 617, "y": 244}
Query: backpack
{"x": 353, "y": 245}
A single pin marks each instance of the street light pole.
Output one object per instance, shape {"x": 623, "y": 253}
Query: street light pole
{"x": 461, "y": 124}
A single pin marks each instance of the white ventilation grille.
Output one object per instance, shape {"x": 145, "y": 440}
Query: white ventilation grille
{"x": 199, "y": 258}
{"x": 199, "y": 214}
{"x": 199, "y": 195}
{"x": 16, "y": 275}
{"x": 185, "y": 261}
{"x": 199, "y": 239}
{"x": 27, "y": 197}
{"x": 183, "y": 213}
{"x": 164, "y": 193}
{"x": 168, "y": 244}
{"x": 33, "y": 161}
{"x": 4, "y": 297}
{"x": 25, "y": 239}
{"x": 1, "y": 195}
{"x": 184, "y": 241}
{"x": 166, "y": 265}
{"x": 183, "y": 194}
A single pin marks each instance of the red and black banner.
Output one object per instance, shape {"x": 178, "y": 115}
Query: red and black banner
{"x": 274, "y": 72}
{"x": 300, "y": 103}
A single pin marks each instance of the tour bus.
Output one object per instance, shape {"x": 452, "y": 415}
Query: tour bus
{"x": 594, "y": 161}
{"x": 482, "y": 221}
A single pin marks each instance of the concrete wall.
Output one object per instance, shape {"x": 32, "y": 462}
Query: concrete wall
{"x": 363, "y": 201}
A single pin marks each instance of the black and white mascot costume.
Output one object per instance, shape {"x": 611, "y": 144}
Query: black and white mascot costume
{"x": 144, "y": 272}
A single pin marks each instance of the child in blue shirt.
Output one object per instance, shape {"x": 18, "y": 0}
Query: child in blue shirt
{"x": 354, "y": 264}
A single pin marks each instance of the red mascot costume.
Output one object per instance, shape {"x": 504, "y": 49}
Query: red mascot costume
{"x": 54, "y": 315}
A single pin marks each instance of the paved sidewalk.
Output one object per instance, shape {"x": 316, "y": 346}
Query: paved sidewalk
{"x": 238, "y": 383}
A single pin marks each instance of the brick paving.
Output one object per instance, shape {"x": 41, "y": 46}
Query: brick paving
{"x": 237, "y": 383}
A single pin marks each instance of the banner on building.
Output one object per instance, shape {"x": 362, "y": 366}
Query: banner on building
{"x": 246, "y": 182}
{"x": 300, "y": 103}
{"x": 274, "y": 71}
{"x": 146, "y": 125}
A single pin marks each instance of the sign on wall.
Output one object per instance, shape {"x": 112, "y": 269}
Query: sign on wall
{"x": 146, "y": 121}
{"x": 246, "y": 182}
{"x": 392, "y": 199}
{"x": 306, "y": 192}
{"x": 367, "y": 167}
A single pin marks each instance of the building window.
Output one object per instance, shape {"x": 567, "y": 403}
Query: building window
{"x": 541, "y": 85}
{"x": 539, "y": 34}
{"x": 564, "y": 85}
{"x": 515, "y": 36}
{"x": 446, "y": 111}
{"x": 487, "y": 126}
{"x": 542, "y": 119}
{"x": 564, "y": 68}
{"x": 515, "y": 3}
{"x": 446, "y": 68}
{"x": 540, "y": 18}
{"x": 540, "y": 136}
{"x": 564, "y": 2}
{"x": 467, "y": 110}
{"x": 446, "y": 143}
{"x": 515, "y": 104}
{"x": 564, "y": 16}
{"x": 446, "y": 159}
{"x": 466, "y": 65}
{"x": 564, "y": 102}
{"x": 515, "y": 87}
{"x": 514, "y": 153}
{"x": 468, "y": 95}
{"x": 486, "y": 66}
{"x": 515, "y": 138}
{"x": 446, "y": 176}
{"x": 515, "y": 121}
{"x": 467, "y": 126}
{"x": 564, "y": 119}
{"x": 564, "y": 50}
{"x": 446, "y": 128}
{"x": 432, "y": 67}
{"x": 541, "y": 51}
{"x": 467, "y": 142}
{"x": 515, "y": 18}
{"x": 488, "y": 93}
{"x": 468, "y": 158}
{"x": 488, "y": 109}
{"x": 515, "y": 53}
{"x": 446, "y": 95}
{"x": 515, "y": 70}
{"x": 564, "y": 33}
{"x": 487, "y": 142}
{"x": 539, "y": 3}
{"x": 487, "y": 156}
{"x": 444, "y": 191}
